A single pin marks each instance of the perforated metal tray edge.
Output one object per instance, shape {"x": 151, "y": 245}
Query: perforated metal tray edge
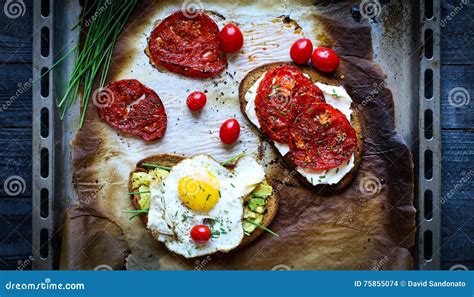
{"x": 429, "y": 173}
{"x": 47, "y": 225}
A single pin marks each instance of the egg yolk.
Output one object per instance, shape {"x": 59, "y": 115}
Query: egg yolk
{"x": 199, "y": 191}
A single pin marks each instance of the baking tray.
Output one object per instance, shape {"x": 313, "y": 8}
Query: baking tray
{"x": 406, "y": 44}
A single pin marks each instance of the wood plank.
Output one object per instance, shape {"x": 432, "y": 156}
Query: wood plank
{"x": 15, "y": 235}
{"x": 16, "y": 35}
{"x": 457, "y": 34}
{"x": 15, "y": 153}
{"x": 15, "y": 232}
{"x": 15, "y": 95}
{"x": 457, "y": 196}
{"x": 16, "y": 262}
{"x": 457, "y": 97}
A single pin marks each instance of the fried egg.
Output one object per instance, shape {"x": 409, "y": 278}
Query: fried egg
{"x": 197, "y": 191}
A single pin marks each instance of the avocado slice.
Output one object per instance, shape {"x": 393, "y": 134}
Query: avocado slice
{"x": 144, "y": 197}
{"x": 262, "y": 190}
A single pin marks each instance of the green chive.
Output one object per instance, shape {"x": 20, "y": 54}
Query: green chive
{"x": 94, "y": 54}
{"x": 234, "y": 158}
{"x": 143, "y": 192}
{"x": 263, "y": 227}
{"x": 156, "y": 166}
{"x": 136, "y": 210}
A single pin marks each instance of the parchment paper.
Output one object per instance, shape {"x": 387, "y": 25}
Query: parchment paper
{"x": 370, "y": 225}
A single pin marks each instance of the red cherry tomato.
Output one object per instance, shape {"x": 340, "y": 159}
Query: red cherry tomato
{"x": 232, "y": 37}
{"x": 200, "y": 233}
{"x": 301, "y": 50}
{"x": 229, "y": 131}
{"x": 325, "y": 59}
{"x": 196, "y": 101}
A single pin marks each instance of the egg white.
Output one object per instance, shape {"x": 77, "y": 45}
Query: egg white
{"x": 171, "y": 221}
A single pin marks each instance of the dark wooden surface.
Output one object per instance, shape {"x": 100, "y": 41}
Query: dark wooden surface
{"x": 457, "y": 48}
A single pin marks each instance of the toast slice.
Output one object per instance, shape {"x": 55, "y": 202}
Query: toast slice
{"x": 250, "y": 79}
{"x": 170, "y": 160}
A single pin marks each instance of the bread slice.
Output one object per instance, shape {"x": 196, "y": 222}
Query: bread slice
{"x": 250, "y": 79}
{"x": 170, "y": 160}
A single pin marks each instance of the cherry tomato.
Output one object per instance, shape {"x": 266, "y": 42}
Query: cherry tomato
{"x": 200, "y": 233}
{"x": 325, "y": 59}
{"x": 301, "y": 50}
{"x": 196, "y": 101}
{"x": 232, "y": 37}
{"x": 229, "y": 131}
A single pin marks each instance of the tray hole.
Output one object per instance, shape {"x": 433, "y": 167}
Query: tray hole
{"x": 428, "y": 84}
{"x": 45, "y": 8}
{"x": 44, "y": 207}
{"x": 44, "y": 123}
{"x": 44, "y": 163}
{"x": 44, "y": 243}
{"x": 44, "y": 82}
{"x": 428, "y": 9}
{"x": 428, "y": 245}
{"x": 428, "y": 164}
{"x": 44, "y": 42}
{"x": 428, "y": 204}
{"x": 429, "y": 44}
{"x": 428, "y": 124}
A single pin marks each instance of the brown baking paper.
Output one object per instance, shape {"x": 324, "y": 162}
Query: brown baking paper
{"x": 101, "y": 246}
{"x": 370, "y": 225}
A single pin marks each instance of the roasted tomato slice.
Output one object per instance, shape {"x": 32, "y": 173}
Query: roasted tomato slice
{"x": 321, "y": 138}
{"x": 282, "y": 93}
{"x": 188, "y": 44}
{"x": 145, "y": 118}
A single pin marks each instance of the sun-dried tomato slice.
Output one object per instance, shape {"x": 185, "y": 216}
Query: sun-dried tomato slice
{"x": 321, "y": 138}
{"x": 282, "y": 94}
{"x": 188, "y": 44}
{"x": 116, "y": 105}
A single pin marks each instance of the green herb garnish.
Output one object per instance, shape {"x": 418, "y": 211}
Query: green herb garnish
{"x": 94, "y": 55}
{"x": 156, "y": 166}
{"x": 233, "y": 159}
{"x": 136, "y": 212}
{"x": 263, "y": 227}
{"x": 143, "y": 192}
